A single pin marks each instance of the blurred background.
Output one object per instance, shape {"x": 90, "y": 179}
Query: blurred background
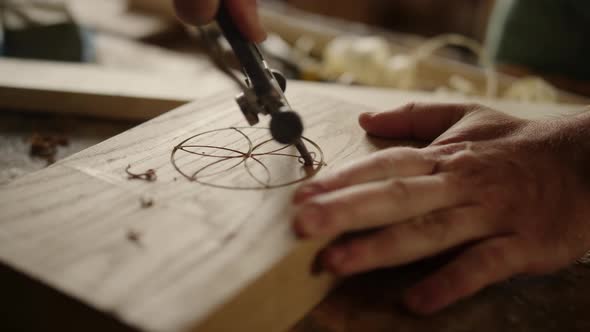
{"x": 422, "y": 17}
{"x": 85, "y": 70}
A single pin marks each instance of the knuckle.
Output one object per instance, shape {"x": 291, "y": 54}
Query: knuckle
{"x": 384, "y": 162}
{"x": 404, "y": 160}
{"x": 465, "y": 158}
{"x": 398, "y": 189}
{"x": 447, "y": 150}
{"x": 460, "y": 157}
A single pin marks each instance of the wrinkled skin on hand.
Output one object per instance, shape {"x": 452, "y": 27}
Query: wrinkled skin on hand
{"x": 244, "y": 13}
{"x": 512, "y": 192}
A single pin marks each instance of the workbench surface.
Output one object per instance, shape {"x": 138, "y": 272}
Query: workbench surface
{"x": 372, "y": 302}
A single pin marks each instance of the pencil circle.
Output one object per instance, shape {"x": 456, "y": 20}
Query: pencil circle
{"x": 238, "y": 159}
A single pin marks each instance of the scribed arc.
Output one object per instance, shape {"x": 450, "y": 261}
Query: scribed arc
{"x": 237, "y": 158}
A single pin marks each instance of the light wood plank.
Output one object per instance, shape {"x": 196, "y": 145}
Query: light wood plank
{"x": 116, "y": 93}
{"x": 207, "y": 259}
{"x": 99, "y": 91}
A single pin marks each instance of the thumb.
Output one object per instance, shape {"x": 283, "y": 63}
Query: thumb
{"x": 414, "y": 121}
{"x": 245, "y": 14}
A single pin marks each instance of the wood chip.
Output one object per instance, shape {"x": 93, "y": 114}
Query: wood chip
{"x": 146, "y": 202}
{"x": 45, "y": 146}
{"x": 149, "y": 175}
{"x": 134, "y": 237}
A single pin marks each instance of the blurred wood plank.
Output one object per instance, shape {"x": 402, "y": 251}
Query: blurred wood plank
{"x": 98, "y": 91}
{"x": 115, "y": 93}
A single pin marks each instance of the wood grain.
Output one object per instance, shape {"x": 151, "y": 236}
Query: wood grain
{"x": 209, "y": 259}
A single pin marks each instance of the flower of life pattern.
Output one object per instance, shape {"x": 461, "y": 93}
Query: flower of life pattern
{"x": 250, "y": 161}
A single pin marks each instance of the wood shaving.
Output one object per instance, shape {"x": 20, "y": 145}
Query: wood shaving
{"x": 134, "y": 237}
{"x": 149, "y": 175}
{"x": 146, "y": 202}
{"x": 45, "y": 146}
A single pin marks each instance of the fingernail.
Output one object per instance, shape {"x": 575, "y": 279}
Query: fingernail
{"x": 309, "y": 220}
{"x": 367, "y": 116}
{"x": 254, "y": 28}
{"x": 364, "y": 118}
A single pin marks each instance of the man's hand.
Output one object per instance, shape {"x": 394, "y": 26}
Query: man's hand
{"x": 512, "y": 191}
{"x": 244, "y": 13}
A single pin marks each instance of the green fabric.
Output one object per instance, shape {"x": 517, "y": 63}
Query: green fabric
{"x": 550, "y": 36}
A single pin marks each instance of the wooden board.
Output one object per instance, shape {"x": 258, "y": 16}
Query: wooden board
{"x": 116, "y": 93}
{"x": 203, "y": 259}
{"x": 131, "y": 81}
{"x": 99, "y": 91}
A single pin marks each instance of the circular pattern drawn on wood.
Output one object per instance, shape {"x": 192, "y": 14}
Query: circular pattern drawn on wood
{"x": 243, "y": 158}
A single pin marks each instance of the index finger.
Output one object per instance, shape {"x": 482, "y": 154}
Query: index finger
{"x": 374, "y": 205}
{"x": 243, "y": 12}
{"x": 395, "y": 162}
